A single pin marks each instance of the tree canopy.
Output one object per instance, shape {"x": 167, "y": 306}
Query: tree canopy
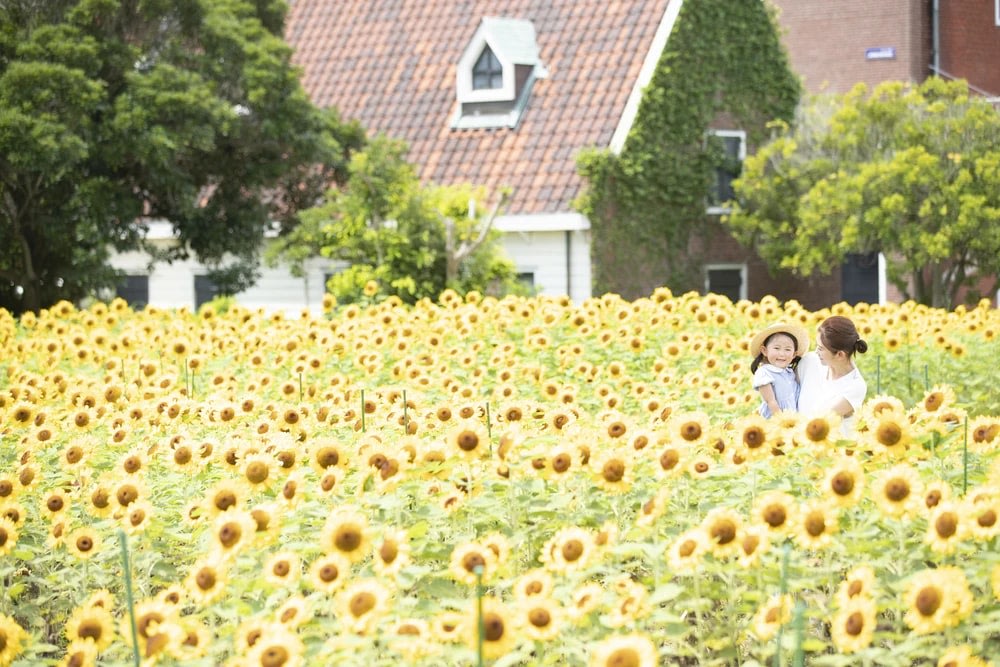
{"x": 910, "y": 171}
{"x": 400, "y": 237}
{"x": 723, "y": 64}
{"x": 117, "y": 113}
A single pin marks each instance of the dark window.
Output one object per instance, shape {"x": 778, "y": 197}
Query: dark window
{"x": 728, "y": 282}
{"x": 859, "y": 278}
{"x": 135, "y": 290}
{"x": 526, "y": 278}
{"x": 204, "y": 290}
{"x": 487, "y": 74}
{"x": 728, "y": 169}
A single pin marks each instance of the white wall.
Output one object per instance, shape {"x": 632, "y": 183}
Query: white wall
{"x": 544, "y": 254}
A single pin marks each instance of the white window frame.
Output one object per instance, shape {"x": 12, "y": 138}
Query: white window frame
{"x": 708, "y": 268}
{"x": 996, "y": 12}
{"x": 742, "y": 135}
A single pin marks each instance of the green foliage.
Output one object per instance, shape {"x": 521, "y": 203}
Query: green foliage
{"x": 116, "y": 114}
{"x": 912, "y": 172}
{"x": 391, "y": 231}
{"x": 647, "y": 205}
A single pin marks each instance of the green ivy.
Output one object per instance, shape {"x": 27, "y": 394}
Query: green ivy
{"x": 723, "y": 63}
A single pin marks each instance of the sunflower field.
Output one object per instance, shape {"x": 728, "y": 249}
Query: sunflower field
{"x": 516, "y": 481}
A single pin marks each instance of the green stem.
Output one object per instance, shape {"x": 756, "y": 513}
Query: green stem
{"x": 480, "y": 622}
{"x": 127, "y": 571}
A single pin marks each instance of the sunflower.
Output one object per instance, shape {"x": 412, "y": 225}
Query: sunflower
{"x": 858, "y": 583}
{"x": 888, "y": 435}
{"x": 755, "y": 542}
{"x": 446, "y": 626}
{"x": 816, "y": 524}
{"x": 613, "y": 469}
{"x": 326, "y": 454}
{"x": 8, "y": 535}
{"x": 94, "y": 624}
{"x": 231, "y": 532}
{"x": 78, "y": 654}
{"x": 724, "y": 529}
{"x": 819, "y": 431}
{"x": 961, "y": 656}
{"x": 536, "y": 582}
{"x": 937, "y": 397}
{"x": 346, "y": 532}
{"x": 875, "y": 406}
{"x": 653, "y": 509}
{"x": 844, "y": 482}
{"x": 540, "y": 617}
{"x": 206, "y": 579}
{"x": 258, "y": 471}
{"x": 362, "y": 604}
{"x": 293, "y": 612}
{"x": 853, "y": 626}
{"x": 466, "y": 558}
{"x": 670, "y": 461}
{"x": 984, "y": 434}
{"x": 276, "y": 647}
{"x": 775, "y": 510}
{"x": 9, "y": 488}
{"x": 329, "y": 572}
{"x": 946, "y": 527}
{"x": 137, "y": 517}
{"x": 283, "y": 569}
{"x": 632, "y": 604}
{"x": 685, "y": 552}
{"x": 469, "y": 439}
{"x": 267, "y": 524}
{"x": 690, "y": 428}
{"x": 983, "y": 515}
{"x": 75, "y": 455}
{"x": 635, "y": 650}
{"x": 754, "y": 437}
{"x": 84, "y": 542}
{"x": 56, "y": 503}
{"x": 897, "y": 491}
{"x": 935, "y": 492}
{"x": 775, "y": 613}
{"x": 393, "y": 554}
{"x": 937, "y": 599}
{"x": 498, "y": 624}
{"x": 194, "y": 641}
{"x": 569, "y": 550}
{"x": 499, "y": 544}
{"x": 150, "y": 616}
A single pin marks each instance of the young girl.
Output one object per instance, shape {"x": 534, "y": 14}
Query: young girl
{"x": 779, "y": 348}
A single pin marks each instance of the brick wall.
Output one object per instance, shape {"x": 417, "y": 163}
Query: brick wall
{"x": 970, "y": 43}
{"x": 827, "y": 41}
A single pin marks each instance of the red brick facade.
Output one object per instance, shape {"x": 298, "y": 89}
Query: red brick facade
{"x": 970, "y": 43}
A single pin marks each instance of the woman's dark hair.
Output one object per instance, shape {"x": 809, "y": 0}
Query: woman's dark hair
{"x": 759, "y": 359}
{"x": 838, "y": 334}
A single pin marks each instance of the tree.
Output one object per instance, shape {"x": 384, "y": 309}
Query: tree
{"x": 116, "y": 113}
{"x": 910, "y": 171}
{"x": 399, "y": 237}
{"x": 647, "y": 205}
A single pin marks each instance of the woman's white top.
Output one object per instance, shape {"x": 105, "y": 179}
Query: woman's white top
{"x": 819, "y": 393}
{"x": 783, "y": 382}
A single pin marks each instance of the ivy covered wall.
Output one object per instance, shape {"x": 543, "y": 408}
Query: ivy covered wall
{"x": 723, "y": 66}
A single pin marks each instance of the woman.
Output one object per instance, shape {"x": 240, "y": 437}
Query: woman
{"x": 830, "y": 382}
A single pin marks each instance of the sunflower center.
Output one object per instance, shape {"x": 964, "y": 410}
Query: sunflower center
{"x": 55, "y": 503}
{"x": 561, "y": 462}
{"x": 540, "y": 618}
{"x": 687, "y": 548}
{"x": 842, "y": 483}
{"x": 473, "y": 560}
{"x": 274, "y": 656}
{"x": 328, "y": 482}
{"x": 889, "y": 434}
{"x": 701, "y": 467}
{"x": 3, "y": 536}
{"x": 388, "y": 552}
{"x": 137, "y": 517}
{"x": 143, "y": 623}
{"x": 855, "y": 624}
{"x": 289, "y": 489}
{"x": 928, "y": 600}
{"x": 932, "y": 498}
{"x": 90, "y": 629}
{"x": 493, "y": 627}
{"x": 225, "y": 500}
{"x": 205, "y": 579}
{"x": 623, "y": 657}
{"x": 289, "y": 614}
{"x": 262, "y": 518}
{"x": 328, "y": 573}
{"x": 987, "y": 519}
{"x": 182, "y": 455}
{"x": 281, "y": 568}
{"x": 669, "y": 459}
{"x": 772, "y": 615}
{"x": 286, "y": 459}
{"x": 897, "y": 490}
{"x": 468, "y": 441}
{"x": 753, "y": 437}
{"x": 750, "y": 544}
{"x": 616, "y": 430}
{"x": 775, "y": 515}
{"x": 74, "y": 454}
{"x": 132, "y": 464}
{"x": 815, "y": 524}
{"x": 934, "y": 401}
{"x": 723, "y": 532}
{"x": 691, "y": 431}
{"x": 533, "y": 588}
{"x": 854, "y": 589}
{"x": 327, "y": 456}
{"x": 613, "y": 471}
{"x": 946, "y": 525}
{"x": 84, "y": 544}
{"x": 26, "y": 476}
{"x": 6, "y": 488}
{"x": 572, "y": 550}
{"x": 100, "y": 499}
{"x": 348, "y": 538}
{"x": 230, "y": 534}
{"x": 362, "y": 603}
{"x": 817, "y": 430}
{"x": 257, "y": 472}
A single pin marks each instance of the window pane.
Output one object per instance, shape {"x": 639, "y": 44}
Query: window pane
{"x": 728, "y": 282}
{"x": 487, "y": 73}
{"x": 135, "y": 290}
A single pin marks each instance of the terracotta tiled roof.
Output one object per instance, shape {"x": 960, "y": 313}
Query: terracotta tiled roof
{"x": 391, "y": 65}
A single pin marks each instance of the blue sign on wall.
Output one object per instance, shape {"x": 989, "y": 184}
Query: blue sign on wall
{"x": 881, "y": 53}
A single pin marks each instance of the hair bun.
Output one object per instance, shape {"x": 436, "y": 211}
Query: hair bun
{"x": 861, "y": 346}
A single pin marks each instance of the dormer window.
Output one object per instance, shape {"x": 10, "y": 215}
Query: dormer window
{"x": 487, "y": 72}
{"x": 495, "y": 74}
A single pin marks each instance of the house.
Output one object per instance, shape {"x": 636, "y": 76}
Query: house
{"x": 506, "y": 92}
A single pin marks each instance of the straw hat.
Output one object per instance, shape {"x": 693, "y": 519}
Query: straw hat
{"x": 794, "y": 330}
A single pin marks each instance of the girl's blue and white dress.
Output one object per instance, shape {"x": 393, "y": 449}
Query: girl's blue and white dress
{"x": 783, "y": 382}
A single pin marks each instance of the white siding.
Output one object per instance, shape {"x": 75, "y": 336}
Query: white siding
{"x": 544, "y": 255}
